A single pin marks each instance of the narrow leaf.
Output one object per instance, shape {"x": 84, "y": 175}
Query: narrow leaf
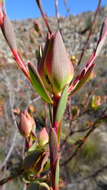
{"x": 62, "y": 105}
{"x": 42, "y": 162}
{"x": 81, "y": 80}
{"x": 38, "y": 84}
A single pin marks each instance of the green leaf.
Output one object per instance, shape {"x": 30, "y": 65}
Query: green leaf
{"x": 38, "y": 84}
{"x": 62, "y": 105}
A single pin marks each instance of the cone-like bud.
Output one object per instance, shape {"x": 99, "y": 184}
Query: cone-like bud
{"x": 55, "y": 69}
{"x": 27, "y": 124}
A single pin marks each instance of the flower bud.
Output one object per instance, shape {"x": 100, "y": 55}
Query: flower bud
{"x": 55, "y": 69}
{"x": 8, "y": 32}
{"x": 27, "y": 124}
{"x": 43, "y": 137}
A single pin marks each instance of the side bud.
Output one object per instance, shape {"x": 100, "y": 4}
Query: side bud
{"x": 27, "y": 124}
{"x": 43, "y": 137}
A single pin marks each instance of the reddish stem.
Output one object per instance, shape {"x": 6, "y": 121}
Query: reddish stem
{"x": 39, "y": 3}
{"x": 54, "y": 158}
{"x": 55, "y": 106}
{"x": 21, "y": 63}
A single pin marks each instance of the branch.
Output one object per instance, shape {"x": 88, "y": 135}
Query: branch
{"x": 90, "y": 32}
{"x": 82, "y": 78}
{"x": 82, "y": 141}
{"x": 39, "y": 3}
{"x": 11, "y": 101}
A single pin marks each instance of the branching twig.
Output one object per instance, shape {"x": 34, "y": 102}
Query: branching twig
{"x": 90, "y": 32}
{"x": 72, "y": 132}
{"x": 81, "y": 142}
{"x": 39, "y": 3}
{"x": 11, "y": 101}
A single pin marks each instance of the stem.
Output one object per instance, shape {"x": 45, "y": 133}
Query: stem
{"x": 90, "y": 32}
{"x": 55, "y": 147}
{"x": 55, "y": 106}
{"x": 21, "y": 63}
{"x": 39, "y": 3}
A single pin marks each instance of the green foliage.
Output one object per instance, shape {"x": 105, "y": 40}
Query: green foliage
{"x": 62, "y": 105}
{"x": 38, "y": 84}
{"x": 52, "y": 81}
